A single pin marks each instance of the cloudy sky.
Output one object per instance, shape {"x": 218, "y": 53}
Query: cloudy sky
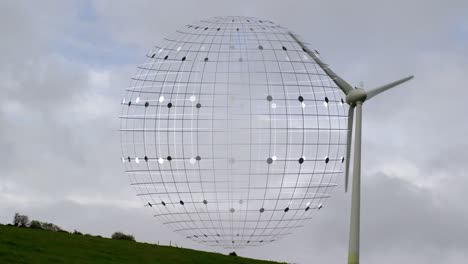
{"x": 65, "y": 64}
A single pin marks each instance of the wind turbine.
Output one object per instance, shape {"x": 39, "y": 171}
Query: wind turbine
{"x": 355, "y": 97}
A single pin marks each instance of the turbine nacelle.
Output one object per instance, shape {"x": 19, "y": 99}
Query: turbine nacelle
{"x": 355, "y": 96}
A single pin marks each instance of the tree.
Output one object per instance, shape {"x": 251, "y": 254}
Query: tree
{"x": 122, "y": 236}
{"x": 20, "y": 220}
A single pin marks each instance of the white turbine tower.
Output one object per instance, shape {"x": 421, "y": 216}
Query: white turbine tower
{"x": 355, "y": 97}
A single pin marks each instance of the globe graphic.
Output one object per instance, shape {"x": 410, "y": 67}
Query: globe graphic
{"x": 231, "y": 134}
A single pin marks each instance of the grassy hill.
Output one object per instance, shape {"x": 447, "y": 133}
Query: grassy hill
{"x": 25, "y": 245}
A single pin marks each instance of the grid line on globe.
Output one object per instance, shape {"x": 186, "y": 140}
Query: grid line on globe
{"x": 231, "y": 134}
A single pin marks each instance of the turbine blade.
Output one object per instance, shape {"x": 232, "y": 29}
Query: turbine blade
{"x": 348, "y": 146}
{"x": 342, "y": 84}
{"x": 383, "y": 88}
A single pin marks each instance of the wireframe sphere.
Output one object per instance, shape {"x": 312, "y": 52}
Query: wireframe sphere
{"x": 231, "y": 134}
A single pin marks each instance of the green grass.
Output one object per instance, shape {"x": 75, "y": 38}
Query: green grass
{"x": 24, "y": 245}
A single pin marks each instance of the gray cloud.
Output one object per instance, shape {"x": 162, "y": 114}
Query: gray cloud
{"x": 65, "y": 66}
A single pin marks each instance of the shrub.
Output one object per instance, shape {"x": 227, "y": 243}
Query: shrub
{"x": 77, "y": 232}
{"x": 35, "y": 224}
{"x": 45, "y": 226}
{"x": 122, "y": 236}
{"x": 20, "y": 220}
{"x": 233, "y": 254}
{"x": 51, "y": 227}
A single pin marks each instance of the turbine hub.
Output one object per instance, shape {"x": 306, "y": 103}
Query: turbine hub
{"x": 356, "y": 95}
